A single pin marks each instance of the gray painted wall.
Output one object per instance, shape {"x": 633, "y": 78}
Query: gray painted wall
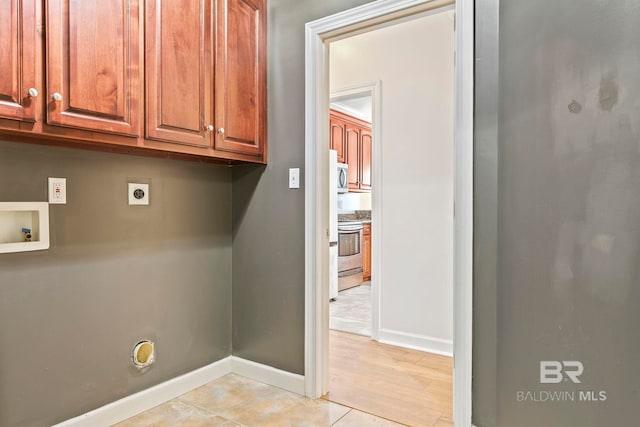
{"x": 566, "y": 219}
{"x": 268, "y": 218}
{"x": 114, "y": 274}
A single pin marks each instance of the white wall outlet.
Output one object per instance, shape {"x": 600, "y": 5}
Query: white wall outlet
{"x": 58, "y": 191}
{"x": 138, "y": 194}
{"x": 294, "y": 178}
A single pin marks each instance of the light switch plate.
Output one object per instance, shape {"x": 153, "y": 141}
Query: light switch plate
{"x": 138, "y": 194}
{"x": 57, "y": 191}
{"x": 294, "y": 178}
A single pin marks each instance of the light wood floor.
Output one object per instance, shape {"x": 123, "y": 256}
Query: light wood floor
{"x": 406, "y": 386}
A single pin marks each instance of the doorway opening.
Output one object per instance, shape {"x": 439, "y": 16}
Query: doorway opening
{"x": 411, "y": 162}
{"x": 353, "y": 305}
{"x": 319, "y": 35}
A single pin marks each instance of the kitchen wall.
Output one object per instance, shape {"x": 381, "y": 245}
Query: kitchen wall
{"x": 268, "y": 217}
{"x": 562, "y": 155}
{"x": 115, "y": 274}
{"x": 416, "y": 218}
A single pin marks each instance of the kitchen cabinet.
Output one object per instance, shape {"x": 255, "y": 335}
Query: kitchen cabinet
{"x": 352, "y": 137}
{"x": 355, "y": 135}
{"x": 365, "y": 160}
{"x": 366, "y": 251}
{"x": 218, "y": 100}
{"x": 336, "y": 135}
{"x": 155, "y": 77}
{"x": 179, "y": 97}
{"x": 93, "y": 65}
{"x": 19, "y": 65}
{"x": 241, "y": 77}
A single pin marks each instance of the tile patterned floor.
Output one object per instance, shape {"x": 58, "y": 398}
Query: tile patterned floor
{"x": 234, "y": 400}
{"x": 351, "y": 311}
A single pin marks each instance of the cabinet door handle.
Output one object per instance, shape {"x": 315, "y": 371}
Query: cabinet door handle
{"x": 32, "y": 92}
{"x": 220, "y": 130}
{"x": 209, "y": 128}
{"x": 57, "y": 96}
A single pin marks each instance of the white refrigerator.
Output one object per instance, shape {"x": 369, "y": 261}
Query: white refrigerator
{"x": 333, "y": 224}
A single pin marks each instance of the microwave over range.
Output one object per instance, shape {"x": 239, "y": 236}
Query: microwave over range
{"x": 343, "y": 182}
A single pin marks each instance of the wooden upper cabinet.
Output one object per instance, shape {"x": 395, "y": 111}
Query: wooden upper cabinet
{"x": 179, "y": 71}
{"x": 336, "y": 136}
{"x": 241, "y": 77}
{"x": 93, "y": 65}
{"x": 19, "y": 67}
{"x": 352, "y": 136}
{"x": 365, "y": 159}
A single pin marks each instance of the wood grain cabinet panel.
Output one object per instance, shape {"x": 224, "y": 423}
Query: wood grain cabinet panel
{"x": 366, "y": 252}
{"x": 93, "y": 65}
{"x": 19, "y": 68}
{"x": 357, "y": 145}
{"x": 179, "y": 71}
{"x": 365, "y": 159}
{"x": 241, "y": 101}
{"x": 336, "y": 136}
{"x": 352, "y": 137}
{"x": 187, "y": 77}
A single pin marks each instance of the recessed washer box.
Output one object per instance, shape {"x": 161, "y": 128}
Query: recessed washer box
{"x": 18, "y": 217}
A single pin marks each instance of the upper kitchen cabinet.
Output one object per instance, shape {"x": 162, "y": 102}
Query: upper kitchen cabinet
{"x": 353, "y": 135}
{"x": 93, "y": 66}
{"x": 365, "y": 159}
{"x": 241, "y": 78}
{"x": 352, "y": 138}
{"x": 157, "y": 77}
{"x": 19, "y": 65}
{"x": 336, "y": 135}
{"x": 206, "y": 76}
{"x": 179, "y": 71}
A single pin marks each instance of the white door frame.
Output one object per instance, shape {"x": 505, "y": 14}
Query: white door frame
{"x": 317, "y": 36}
{"x": 372, "y": 89}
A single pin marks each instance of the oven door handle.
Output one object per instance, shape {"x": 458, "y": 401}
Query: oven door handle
{"x": 349, "y": 228}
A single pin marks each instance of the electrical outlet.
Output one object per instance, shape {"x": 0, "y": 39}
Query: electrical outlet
{"x": 58, "y": 191}
{"x": 138, "y": 194}
{"x": 294, "y": 178}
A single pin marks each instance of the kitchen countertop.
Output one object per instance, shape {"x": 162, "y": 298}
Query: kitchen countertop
{"x": 362, "y": 216}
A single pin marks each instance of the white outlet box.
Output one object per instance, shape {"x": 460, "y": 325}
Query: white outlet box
{"x": 294, "y": 178}
{"x": 58, "y": 191}
{"x": 138, "y": 194}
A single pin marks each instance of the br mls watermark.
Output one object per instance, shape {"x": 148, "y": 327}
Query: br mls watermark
{"x": 557, "y": 372}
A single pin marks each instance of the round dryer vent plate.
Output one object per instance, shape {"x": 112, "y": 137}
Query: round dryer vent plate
{"x": 143, "y": 354}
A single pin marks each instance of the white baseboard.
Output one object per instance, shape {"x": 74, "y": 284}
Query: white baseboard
{"x": 268, "y": 375}
{"x": 144, "y": 400}
{"x": 129, "y": 406}
{"x": 416, "y": 342}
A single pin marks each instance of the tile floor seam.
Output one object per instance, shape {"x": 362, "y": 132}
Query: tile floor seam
{"x": 345, "y": 414}
{"x": 195, "y": 405}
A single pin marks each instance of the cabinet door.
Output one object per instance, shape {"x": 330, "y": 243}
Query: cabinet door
{"x": 336, "y": 134}
{"x": 93, "y": 65}
{"x": 241, "y": 77}
{"x": 19, "y": 68}
{"x": 366, "y": 252}
{"x": 352, "y": 136}
{"x": 365, "y": 159}
{"x": 179, "y": 71}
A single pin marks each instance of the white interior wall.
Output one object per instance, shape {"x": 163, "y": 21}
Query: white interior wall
{"x": 414, "y": 62}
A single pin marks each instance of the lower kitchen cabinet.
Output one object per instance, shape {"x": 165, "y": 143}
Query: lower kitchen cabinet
{"x": 366, "y": 251}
